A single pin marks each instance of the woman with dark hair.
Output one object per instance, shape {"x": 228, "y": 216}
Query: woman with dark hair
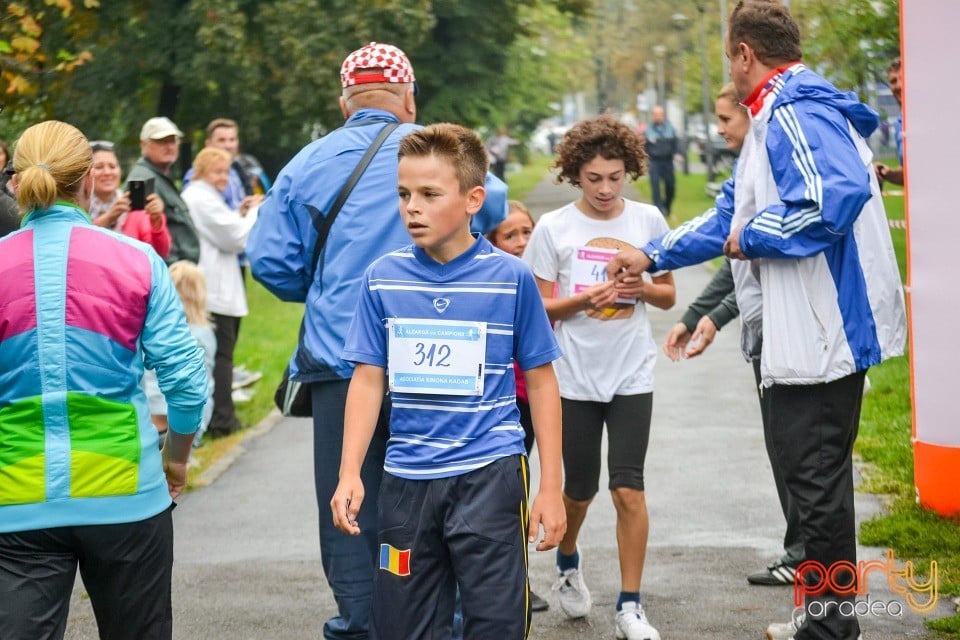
{"x": 82, "y": 480}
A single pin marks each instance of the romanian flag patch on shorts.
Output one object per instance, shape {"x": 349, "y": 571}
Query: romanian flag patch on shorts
{"x": 396, "y": 561}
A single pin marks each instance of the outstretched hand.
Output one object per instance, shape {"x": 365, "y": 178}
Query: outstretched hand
{"x": 675, "y": 346}
{"x": 702, "y": 337}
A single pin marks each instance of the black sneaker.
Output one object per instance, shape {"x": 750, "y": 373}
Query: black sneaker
{"x": 537, "y": 603}
{"x": 776, "y": 575}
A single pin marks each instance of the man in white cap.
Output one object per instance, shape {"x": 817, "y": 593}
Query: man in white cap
{"x": 160, "y": 147}
{"x": 379, "y": 89}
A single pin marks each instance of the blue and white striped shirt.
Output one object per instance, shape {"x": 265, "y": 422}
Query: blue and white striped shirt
{"x": 433, "y": 435}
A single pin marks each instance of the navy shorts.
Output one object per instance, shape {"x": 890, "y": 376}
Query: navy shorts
{"x": 468, "y": 530}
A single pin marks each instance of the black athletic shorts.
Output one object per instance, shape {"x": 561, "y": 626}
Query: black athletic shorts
{"x": 628, "y": 432}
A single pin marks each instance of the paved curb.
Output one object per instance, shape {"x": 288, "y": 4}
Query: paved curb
{"x": 221, "y": 464}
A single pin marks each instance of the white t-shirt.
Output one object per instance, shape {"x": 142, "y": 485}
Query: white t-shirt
{"x": 604, "y": 353}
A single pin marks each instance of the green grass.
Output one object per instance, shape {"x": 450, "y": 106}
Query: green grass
{"x": 268, "y": 336}
{"x": 521, "y": 182}
{"x": 691, "y": 198}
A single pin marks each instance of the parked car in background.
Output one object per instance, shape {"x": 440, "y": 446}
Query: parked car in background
{"x": 722, "y": 156}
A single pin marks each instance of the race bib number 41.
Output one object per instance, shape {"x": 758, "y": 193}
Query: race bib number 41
{"x": 436, "y": 356}
{"x": 590, "y": 267}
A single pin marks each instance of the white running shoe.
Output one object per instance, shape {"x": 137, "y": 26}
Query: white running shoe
{"x": 572, "y": 593}
{"x": 782, "y": 630}
{"x": 632, "y": 623}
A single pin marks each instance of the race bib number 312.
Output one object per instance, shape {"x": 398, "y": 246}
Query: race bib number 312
{"x": 436, "y": 356}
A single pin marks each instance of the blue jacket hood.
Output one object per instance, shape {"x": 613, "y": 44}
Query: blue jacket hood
{"x": 865, "y": 120}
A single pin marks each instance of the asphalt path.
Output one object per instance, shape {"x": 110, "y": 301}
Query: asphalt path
{"x": 247, "y": 553}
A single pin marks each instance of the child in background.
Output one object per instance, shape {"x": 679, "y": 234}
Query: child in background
{"x": 606, "y": 372}
{"x": 192, "y": 288}
{"x": 453, "y": 500}
{"x": 512, "y": 236}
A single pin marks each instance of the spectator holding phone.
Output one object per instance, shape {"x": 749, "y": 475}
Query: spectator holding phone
{"x": 112, "y": 208}
{"x": 160, "y": 146}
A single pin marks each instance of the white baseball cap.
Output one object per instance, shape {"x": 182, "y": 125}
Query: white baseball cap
{"x": 159, "y": 128}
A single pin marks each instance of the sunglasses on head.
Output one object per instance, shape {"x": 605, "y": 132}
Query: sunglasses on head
{"x": 101, "y": 145}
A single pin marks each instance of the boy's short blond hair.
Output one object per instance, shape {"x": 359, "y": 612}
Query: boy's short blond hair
{"x": 459, "y": 146}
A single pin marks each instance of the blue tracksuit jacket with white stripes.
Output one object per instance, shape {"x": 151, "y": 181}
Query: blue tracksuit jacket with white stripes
{"x": 810, "y": 217}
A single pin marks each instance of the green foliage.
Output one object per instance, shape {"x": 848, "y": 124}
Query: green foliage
{"x": 274, "y": 66}
{"x": 542, "y": 61}
{"x": 852, "y": 46}
{"x": 40, "y": 41}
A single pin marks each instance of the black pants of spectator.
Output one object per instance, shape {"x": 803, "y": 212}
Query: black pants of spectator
{"x": 661, "y": 171}
{"x": 793, "y": 538}
{"x": 126, "y": 569}
{"x": 499, "y": 168}
{"x": 224, "y": 420}
{"x": 813, "y": 428}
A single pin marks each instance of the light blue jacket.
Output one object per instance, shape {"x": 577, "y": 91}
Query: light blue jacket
{"x": 280, "y": 246}
{"x": 82, "y": 310}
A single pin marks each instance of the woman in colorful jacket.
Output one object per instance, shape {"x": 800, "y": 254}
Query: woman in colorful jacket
{"x": 82, "y": 481}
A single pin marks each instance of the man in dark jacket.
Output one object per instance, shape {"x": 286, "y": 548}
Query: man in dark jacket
{"x": 661, "y": 147}
{"x": 160, "y": 146}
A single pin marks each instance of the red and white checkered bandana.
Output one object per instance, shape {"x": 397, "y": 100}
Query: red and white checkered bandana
{"x": 376, "y": 63}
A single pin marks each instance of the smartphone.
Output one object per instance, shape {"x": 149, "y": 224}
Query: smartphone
{"x": 139, "y": 190}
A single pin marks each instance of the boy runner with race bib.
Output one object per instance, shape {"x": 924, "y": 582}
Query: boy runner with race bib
{"x": 441, "y": 322}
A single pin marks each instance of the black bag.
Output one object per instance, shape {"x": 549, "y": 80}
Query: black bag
{"x": 291, "y": 397}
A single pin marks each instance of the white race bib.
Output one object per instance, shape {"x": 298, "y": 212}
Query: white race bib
{"x": 590, "y": 267}
{"x": 436, "y": 356}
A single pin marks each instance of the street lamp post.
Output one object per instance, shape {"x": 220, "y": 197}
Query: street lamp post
{"x": 723, "y": 38}
{"x": 651, "y": 89}
{"x": 660, "y": 52}
{"x": 680, "y": 22}
{"x": 706, "y": 90}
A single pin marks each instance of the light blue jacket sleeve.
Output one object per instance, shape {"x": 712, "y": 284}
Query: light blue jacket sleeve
{"x": 494, "y": 208}
{"x": 279, "y": 258}
{"x": 170, "y": 348}
{"x": 695, "y": 240}
{"x": 821, "y": 179}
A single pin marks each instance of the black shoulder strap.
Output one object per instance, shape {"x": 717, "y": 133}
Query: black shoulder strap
{"x": 323, "y": 223}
